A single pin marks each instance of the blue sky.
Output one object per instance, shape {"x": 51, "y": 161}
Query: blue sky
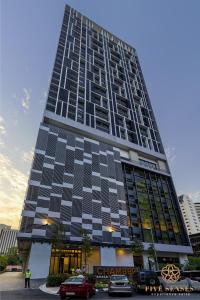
{"x": 166, "y": 36}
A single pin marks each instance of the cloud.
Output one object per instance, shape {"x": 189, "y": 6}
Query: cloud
{"x": 26, "y": 99}
{"x": 13, "y": 184}
{"x": 170, "y": 153}
{"x": 28, "y": 156}
{"x": 195, "y": 196}
{"x": 2, "y": 131}
{"x": 2, "y": 126}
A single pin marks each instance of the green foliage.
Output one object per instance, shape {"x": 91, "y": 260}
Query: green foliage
{"x": 13, "y": 256}
{"x": 136, "y": 248}
{"x": 91, "y": 278}
{"x": 86, "y": 245}
{"x": 101, "y": 285}
{"x": 193, "y": 263}
{"x": 56, "y": 279}
{"x": 3, "y": 262}
{"x": 151, "y": 250}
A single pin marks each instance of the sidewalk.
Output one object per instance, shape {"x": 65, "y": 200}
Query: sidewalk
{"x": 49, "y": 290}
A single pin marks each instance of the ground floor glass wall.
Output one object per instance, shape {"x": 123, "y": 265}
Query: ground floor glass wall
{"x": 63, "y": 261}
{"x": 153, "y": 207}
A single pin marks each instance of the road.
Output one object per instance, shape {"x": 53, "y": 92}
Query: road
{"x": 38, "y": 295}
{"x": 12, "y": 288}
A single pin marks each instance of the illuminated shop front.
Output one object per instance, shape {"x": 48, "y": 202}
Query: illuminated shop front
{"x": 63, "y": 261}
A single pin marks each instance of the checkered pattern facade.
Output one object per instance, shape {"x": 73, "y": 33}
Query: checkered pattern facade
{"x": 79, "y": 182}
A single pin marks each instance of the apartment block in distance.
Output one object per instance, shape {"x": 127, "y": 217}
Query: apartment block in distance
{"x": 189, "y": 214}
{"x": 99, "y": 163}
{"x": 197, "y": 208}
{"x": 8, "y": 238}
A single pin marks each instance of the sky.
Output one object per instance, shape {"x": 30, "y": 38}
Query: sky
{"x": 166, "y": 37}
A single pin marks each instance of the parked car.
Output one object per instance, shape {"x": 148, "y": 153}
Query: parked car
{"x": 195, "y": 284}
{"x": 192, "y": 274}
{"x": 119, "y": 284}
{"x": 14, "y": 268}
{"x": 78, "y": 286}
{"x": 145, "y": 278}
{"x": 182, "y": 283}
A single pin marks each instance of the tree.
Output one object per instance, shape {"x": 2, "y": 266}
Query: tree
{"x": 3, "y": 262}
{"x": 13, "y": 256}
{"x": 137, "y": 247}
{"x": 151, "y": 251}
{"x": 86, "y": 245}
{"x": 193, "y": 263}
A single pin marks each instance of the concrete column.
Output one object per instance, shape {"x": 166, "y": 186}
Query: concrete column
{"x": 39, "y": 260}
{"x": 108, "y": 256}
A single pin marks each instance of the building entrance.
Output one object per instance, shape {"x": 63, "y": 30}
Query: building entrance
{"x": 63, "y": 261}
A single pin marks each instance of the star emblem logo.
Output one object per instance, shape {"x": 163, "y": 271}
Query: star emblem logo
{"x": 170, "y": 273}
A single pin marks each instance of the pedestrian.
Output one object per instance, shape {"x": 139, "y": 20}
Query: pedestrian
{"x": 78, "y": 271}
{"x": 83, "y": 269}
{"x": 72, "y": 270}
{"x": 27, "y": 278}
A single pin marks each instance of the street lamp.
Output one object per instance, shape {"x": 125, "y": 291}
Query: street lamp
{"x": 156, "y": 258}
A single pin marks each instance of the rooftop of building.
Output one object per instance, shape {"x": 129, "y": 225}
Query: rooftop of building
{"x": 99, "y": 29}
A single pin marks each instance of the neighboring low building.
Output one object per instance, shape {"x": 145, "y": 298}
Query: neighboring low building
{"x": 195, "y": 242}
{"x": 197, "y": 208}
{"x": 8, "y": 239}
{"x": 189, "y": 214}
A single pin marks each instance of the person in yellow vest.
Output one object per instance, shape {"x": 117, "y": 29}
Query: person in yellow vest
{"x": 27, "y": 278}
{"x": 72, "y": 270}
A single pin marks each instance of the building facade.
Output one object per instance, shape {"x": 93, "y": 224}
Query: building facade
{"x": 195, "y": 242}
{"x": 189, "y": 214}
{"x": 8, "y": 239}
{"x": 99, "y": 163}
{"x": 197, "y": 208}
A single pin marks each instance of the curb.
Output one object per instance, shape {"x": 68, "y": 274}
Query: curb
{"x": 46, "y": 290}
{"x": 49, "y": 291}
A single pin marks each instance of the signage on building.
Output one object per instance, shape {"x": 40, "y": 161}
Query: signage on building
{"x": 170, "y": 273}
{"x": 109, "y": 270}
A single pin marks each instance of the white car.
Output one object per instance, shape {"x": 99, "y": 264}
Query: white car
{"x": 195, "y": 285}
{"x": 185, "y": 283}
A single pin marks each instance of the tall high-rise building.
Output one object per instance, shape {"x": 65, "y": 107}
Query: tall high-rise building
{"x": 197, "y": 208}
{"x": 99, "y": 163}
{"x": 189, "y": 214}
{"x": 8, "y": 239}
